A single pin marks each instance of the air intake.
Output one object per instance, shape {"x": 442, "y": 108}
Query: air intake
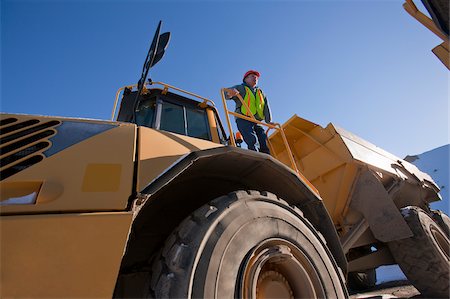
{"x": 22, "y": 143}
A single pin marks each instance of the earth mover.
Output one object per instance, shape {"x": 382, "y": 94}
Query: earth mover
{"x": 154, "y": 204}
{"x": 158, "y": 202}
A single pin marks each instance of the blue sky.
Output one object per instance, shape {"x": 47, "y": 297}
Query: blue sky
{"x": 366, "y": 66}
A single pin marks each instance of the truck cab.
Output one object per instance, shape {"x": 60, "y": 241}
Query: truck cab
{"x": 163, "y": 110}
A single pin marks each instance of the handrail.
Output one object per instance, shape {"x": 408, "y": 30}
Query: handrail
{"x": 117, "y": 100}
{"x": 270, "y": 126}
{"x": 441, "y": 51}
{"x": 412, "y": 9}
{"x": 166, "y": 88}
{"x": 205, "y": 101}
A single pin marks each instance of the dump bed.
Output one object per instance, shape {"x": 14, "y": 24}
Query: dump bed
{"x": 332, "y": 159}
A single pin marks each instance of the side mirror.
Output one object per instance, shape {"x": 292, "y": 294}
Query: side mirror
{"x": 162, "y": 46}
{"x": 155, "y": 53}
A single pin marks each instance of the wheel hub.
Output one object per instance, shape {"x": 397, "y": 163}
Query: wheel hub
{"x": 277, "y": 268}
{"x": 442, "y": 241}
{"x": 272, "y": 284}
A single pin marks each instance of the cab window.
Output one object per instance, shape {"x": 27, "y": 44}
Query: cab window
{"x": 172, "y": 118}
{"x": 197, "y": 124}
{"x": 145, "y": 113}
{"x": 185, "y": 120}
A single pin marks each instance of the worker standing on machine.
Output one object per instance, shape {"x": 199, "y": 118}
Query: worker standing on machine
{"x": 254, "y": 135}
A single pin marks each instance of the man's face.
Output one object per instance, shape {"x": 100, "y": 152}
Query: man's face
{"x": 251, "y": 80}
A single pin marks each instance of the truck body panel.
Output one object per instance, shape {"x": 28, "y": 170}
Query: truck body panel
{"x": 158, "y": 150}
{"x": 61, "y": 255}
{"x": 86, "y": 165}
{"x": 66, "y": 218}
{"x": 333, "y": 159}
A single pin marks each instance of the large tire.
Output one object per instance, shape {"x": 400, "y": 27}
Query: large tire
{"x": 363, "y": 280}
{"x": 442, "y": 220}
{"x": 424, "y": 258}
{"x": 246, "y": 245}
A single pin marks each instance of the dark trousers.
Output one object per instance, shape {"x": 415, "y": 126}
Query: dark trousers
{"x": 254, "y": 135}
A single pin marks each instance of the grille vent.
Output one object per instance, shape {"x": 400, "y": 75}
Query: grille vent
{"x": 22, "y": 143}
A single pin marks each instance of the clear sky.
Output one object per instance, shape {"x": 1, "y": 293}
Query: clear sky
{"x": 366, "y": 66}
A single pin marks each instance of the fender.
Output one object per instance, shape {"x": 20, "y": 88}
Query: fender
{"x": 201, "y": 176}
{"x": 371, "y": 199}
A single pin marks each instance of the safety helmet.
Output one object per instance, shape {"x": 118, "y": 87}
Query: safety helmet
{"x": 251, "y": 72}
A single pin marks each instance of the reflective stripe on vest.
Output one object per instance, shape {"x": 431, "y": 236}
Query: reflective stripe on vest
{"x": 256, "y": 105}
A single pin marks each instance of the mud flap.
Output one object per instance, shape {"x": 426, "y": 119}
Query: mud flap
{"x": 372, "y": 200}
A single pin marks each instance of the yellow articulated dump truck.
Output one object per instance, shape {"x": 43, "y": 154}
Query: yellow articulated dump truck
{"x": 159, "y": 203}
{"x": 155, "y": 205}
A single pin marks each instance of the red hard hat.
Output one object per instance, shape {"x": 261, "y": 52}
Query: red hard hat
{"x": 251, "y": 72}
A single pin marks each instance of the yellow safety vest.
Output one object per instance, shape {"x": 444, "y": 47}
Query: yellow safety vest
{"x": 256, "y": 105}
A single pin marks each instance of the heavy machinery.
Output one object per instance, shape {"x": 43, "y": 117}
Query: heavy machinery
{"x": 159, "y": 203}
{"x": 155, "y": 204}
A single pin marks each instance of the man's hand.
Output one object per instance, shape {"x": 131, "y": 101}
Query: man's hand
{"x": 231, "y": 92}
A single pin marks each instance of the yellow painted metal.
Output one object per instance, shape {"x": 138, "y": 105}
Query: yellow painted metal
{"x": 102, "y": 177}
{"x": 158, "y": 150}
{"x": 61, "y": 255}
{"x": 116, "y": 100}
{"x": 227, "y": 116}
{"x": 203, "y": 104}
{"x": 95, "y": 174}
{"x": 412, "y": 9}
{"x": 332, "y": 159}
{"x": 270, "y": 126}
{"x": 58, "y": 253}
{"x": 323, "y": 159}
{"x": 441, "y": 51}
{"x": 213, "y": 127}
{"x": 12, "y": 190}
{"x": 205, "y": 100}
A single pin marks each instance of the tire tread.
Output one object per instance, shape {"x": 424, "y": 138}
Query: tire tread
{"x": 173, "y": 259}
{"x": 422, "y": 267}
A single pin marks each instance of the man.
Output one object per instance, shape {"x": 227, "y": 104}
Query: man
{"x": 254, "y": 134}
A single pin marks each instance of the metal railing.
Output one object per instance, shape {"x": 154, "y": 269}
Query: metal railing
{"x": 204, "y": 102}
{"x": 270, "y": 126}
{"x": 166, "y": 87}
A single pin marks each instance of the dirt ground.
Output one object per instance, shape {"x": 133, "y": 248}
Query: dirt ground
{"x": 393, "y": 289}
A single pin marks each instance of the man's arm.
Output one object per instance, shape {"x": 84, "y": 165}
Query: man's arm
{"x": 231, "y": 92}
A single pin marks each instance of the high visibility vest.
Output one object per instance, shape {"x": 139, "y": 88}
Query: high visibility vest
{"x": 256, "y": 105}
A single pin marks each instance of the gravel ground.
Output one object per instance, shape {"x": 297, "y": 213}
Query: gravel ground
{"x": 393, "y": 289}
